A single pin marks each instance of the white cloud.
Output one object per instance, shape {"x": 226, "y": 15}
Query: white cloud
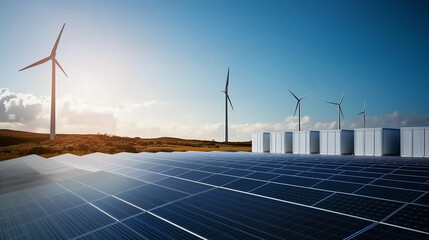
{"x": 156, "y": 119}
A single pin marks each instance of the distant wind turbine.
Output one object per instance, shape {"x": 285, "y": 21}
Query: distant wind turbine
{"x": 54, "y": 61}
{"x": 364, "y": 116}
{"x": 298, "y": 106}
{"x": 227, "y": 99}
{"x": 340, "y": 110}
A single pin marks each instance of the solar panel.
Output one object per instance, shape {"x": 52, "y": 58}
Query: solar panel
{"x": 382, "y": 232}
{"x": 390, "y": 193}
{"x": 412, "y": 216}
{"x": 338, "y": 186}
{"x": 215, "y": 195}
{"x": 291, "y": 193}
{"x": 369, "y": 208}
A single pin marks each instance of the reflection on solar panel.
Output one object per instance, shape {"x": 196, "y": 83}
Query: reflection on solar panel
{"x": 217, "y": 195}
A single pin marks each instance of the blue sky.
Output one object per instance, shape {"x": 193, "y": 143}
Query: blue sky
{"x": 168, "y": 59}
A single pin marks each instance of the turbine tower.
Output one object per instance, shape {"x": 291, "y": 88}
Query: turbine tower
{"x": 364, "y": 116}
{"x": 298, "y": 106}
{"x": 54, "y": 62}
{"x": 340, "y": 110}
{"x": 226, "y": 105}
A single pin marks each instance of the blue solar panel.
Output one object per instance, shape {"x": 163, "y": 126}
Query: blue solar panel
{"x": 301, "y": 181}
{"x": 246, "y": 185}
{"x": 80, "y": 220}
{"x": 338, "y": 186}
{"x": 115, "y": 231}
{"x": 218, "y": 180}
{"x": 150, "y": 196}
{"x": 116, "y": 208}
{"x": 151, "y": 227}
{"x": 291, "y": 193}
{"x": 383, "y": 232}
{"x": 59, "y": 202}
{"x": 370, "y": 208}
{"x": 390, "y": 193}
{"x": 183, "y": 185}
{"x": 254, "y": 196}
{"x": 412, "y": 216}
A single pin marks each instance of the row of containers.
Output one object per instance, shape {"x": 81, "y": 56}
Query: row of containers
{"x": 406, "y": 142}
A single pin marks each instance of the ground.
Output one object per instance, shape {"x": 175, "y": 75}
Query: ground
{"x": 15, "y": 144}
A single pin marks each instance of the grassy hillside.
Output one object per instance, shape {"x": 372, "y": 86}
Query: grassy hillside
{"x": 17, "y": 144}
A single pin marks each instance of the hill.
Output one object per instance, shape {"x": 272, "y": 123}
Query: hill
{"x": 18, "y": 143}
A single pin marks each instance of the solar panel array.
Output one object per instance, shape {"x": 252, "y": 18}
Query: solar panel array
{"x": 216, "y": 195}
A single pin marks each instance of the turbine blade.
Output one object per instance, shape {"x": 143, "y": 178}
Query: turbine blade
{"x": 332, "y": 103}
{"x": 364, "y": 106}
{"x": 229, "y": 100}
{"x": 294, "y": 95}
{"x": 304, "y": 96}
{"x": 296, "y": 108}
{"x": 227, "y": 81}
{"x": 341, "y": 110}
{"x": 342, "y": 97}
{"x": 58, "y": 64}
{"x": 361, "y": 113}
{"x": 54, "y": 49}
{"x": 37, "y": 63}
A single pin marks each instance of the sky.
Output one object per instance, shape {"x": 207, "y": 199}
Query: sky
{"x": 157, "y": 68}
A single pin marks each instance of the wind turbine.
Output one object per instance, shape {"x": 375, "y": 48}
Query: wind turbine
{"x": 298, "y": 106}
{"x": 54, "y": 61}
{"x": 227, "y": 99}
{"x": 340, "y": 110}
{"x": 364, "y": 116}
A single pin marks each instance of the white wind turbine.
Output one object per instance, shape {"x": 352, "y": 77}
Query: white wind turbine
{"x": 298, "y": 106}
{"x": 54, "y": 62}
{"x": 340, "y": 110}
{"x": 227, "y": 99}
{"x": 364, "y": 114}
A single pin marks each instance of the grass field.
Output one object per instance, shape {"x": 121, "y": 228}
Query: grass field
{"x": 15, "y": 144}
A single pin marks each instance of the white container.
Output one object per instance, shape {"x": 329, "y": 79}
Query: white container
{"x": 261, "y": 142}
{"x": 377, "y": 141}
{"x": 336, "y": 142}
{"x": 306, "y": 142}
{"x": 415, "y": 141}
{"x": 281, "y": 142}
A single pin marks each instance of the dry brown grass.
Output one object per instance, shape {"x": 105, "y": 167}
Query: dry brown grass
{"x": 17, "y": 144}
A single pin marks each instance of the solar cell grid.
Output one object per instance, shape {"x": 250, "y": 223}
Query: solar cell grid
{"x": 369, "y": 208}
{"x": 300, "y": 181}
{"x": 412, "y": 216}
{"x": 382, "y": 232}
{"x": 338, "y": 186}
{"x": 51, "y": 198}
{"x": 291, "y": 193}
{"x": 389, "y": 193}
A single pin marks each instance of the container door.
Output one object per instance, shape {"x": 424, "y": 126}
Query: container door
{"x": 338, "y": 142}
{"x": 272, "y": 143}
{"x": 379, "y": 142}
{"x": 295, "y": 142}
{"x": 406, "y": 142}
{"x": 302, "y": 143}
{"x": 288, "y": 142}
{"x": 418, "y": 142}
{"x": 331, "y": 142}
{"x": 323, "y": 142}
{"x": 265, "y": 142}
{"x": 426, "y": 142}
{"x": 369, "y": 143}
{"x": 359, "y": 142}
